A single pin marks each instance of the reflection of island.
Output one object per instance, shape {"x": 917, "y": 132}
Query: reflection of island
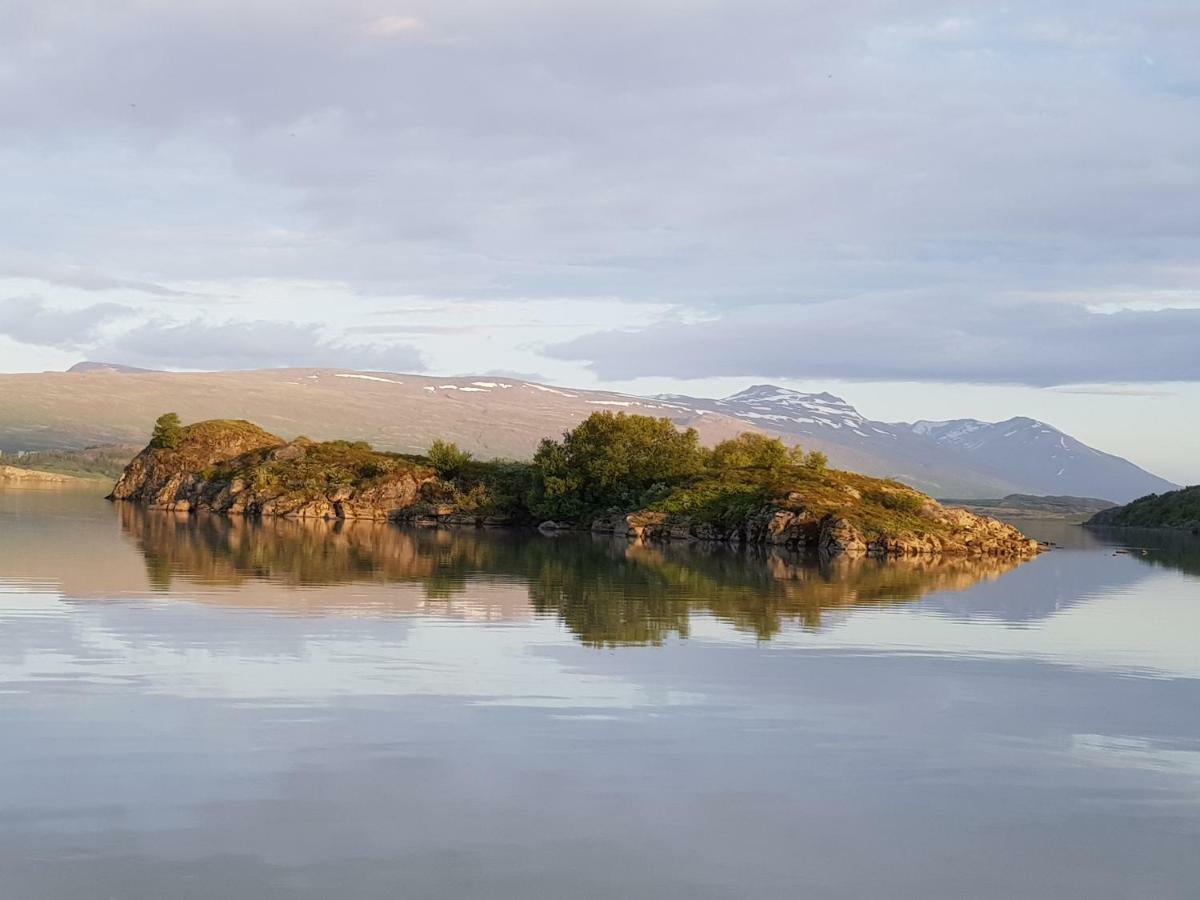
{"x": 607, "y": 592}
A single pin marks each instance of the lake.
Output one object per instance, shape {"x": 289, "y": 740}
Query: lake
{"x": 201, "y": 708}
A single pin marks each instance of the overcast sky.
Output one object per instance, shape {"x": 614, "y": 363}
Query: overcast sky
{"x": 933, "y": 209}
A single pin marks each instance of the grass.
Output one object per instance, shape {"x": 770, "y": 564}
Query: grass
{"x": 97, "y": 463}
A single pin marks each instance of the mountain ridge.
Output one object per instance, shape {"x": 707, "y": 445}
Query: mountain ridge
{"x": 496, "y": 416}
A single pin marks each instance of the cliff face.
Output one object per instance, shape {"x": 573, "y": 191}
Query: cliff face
{"x": 236, "y": 468}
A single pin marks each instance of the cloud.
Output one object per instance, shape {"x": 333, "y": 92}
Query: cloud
{"x": 88, "y": 279}
{"x": 909, "y": 339}
{"x": 108, "y": 331}
{"x": 250, "y": 345}
{"x": 30, "y": 320}
{"x": 387, "y": 26}
{"x": 693, "y": 153}
{"x": 714, "y": 156}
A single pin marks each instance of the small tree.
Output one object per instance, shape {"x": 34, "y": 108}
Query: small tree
{"x": 168, "y": 432}
{"x": 447, "y": 458}
{"x": 816, "y": 460}
{"x": 749, "y": 450}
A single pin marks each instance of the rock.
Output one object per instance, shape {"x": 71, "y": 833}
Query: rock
{"x": 183, "y": 478}
{"x": 839, "y": 536}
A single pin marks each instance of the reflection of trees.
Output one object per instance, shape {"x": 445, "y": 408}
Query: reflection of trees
{"x": 1170, "y": 548}
{"x": 607, "y": 592}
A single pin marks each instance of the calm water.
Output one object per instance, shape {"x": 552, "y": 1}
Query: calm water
{"x": 201, "y": 708}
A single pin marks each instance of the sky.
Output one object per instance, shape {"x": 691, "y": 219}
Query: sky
{"x": 932, "y": 209}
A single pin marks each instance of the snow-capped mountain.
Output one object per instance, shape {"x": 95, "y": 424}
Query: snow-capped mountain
{"x": 959, "y": 458}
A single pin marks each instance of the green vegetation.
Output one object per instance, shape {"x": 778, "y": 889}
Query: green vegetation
{"x": 168, "y": 432}
{"x": 610, "y": 460}
{"x": 447, "y": 458}
{"x": 1174, "y": 509}
{"x": 311, "y": 470}
{"x": 615, "y": 461}
{"x": 98, "y": 463}
{"x": 611, "y": 463}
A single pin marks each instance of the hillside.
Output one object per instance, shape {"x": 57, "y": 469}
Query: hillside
{"x": 1175, "y": 509}
{"x": 13, "y": 475}
{"x": 99, "y": 404}
{"x": 962, "y": 458}
{"x": 634, "y": 476}
{"x": 492, "y": 417}
{"x": 1028, "y": 506}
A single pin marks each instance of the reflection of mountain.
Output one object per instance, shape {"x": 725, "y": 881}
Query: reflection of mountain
{"x": 607, "y": 592}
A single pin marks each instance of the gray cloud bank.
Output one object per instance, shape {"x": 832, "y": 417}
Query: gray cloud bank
{"x": 910, "y": 340}
{"x": 194, "y": 344}
{"x": 721, "y": 156}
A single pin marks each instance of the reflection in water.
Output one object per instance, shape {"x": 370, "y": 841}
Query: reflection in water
{"x": 194, "y": 708}
{"x": 608, "y": 592}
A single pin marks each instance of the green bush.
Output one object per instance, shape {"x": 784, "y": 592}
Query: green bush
{"x": 610, "y": 460}
{"x": 899, "y": 501}
{"x": 168, "y": 432}
{"x": 447, "y": 458}
{"x": 816, "y": 461}
{"x": 749, "y": 450}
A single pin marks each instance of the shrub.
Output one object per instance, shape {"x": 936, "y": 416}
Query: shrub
{"x": 898, "y": 501}
{"x": 168, "y": 432}
{"x": 610, "y": 459}
{"x": 816, "y": 461}
{"x": 447, "y": 458}
{"x": 749, "y": 450}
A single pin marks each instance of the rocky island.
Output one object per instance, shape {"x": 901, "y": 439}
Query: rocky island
{"x": 632, "y": 476}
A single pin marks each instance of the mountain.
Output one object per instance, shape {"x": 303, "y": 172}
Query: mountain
{"x": 961, "y": 458}
{"x": 490, "y": 416}
{"x": 89, "y": 366}
{"x": 499, "y": 416}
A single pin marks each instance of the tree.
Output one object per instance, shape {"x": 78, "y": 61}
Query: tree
{"x": 447, "y": 458}
{"x": 168, "y": 431}
{"x": 610, "y": 459}
{"x": 749, "y": 450}
{"x": 816, "y": 460}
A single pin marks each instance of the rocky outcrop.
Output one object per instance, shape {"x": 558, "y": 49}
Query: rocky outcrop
{"x": 235, "y": 468}
{"x": 950, "y": 532}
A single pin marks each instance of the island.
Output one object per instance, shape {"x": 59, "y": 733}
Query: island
{"x": 627, "y": 475}
{"x": 1177, "y": 510}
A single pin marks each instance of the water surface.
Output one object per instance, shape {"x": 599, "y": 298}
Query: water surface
{"x": 196, "y": 707}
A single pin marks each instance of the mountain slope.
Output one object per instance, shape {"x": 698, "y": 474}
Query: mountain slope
{"x": 961, "y": 458}
{"x": 489, "y": 416}
{"x": 1041, "y": 457}
{"x": 494, "y": 416}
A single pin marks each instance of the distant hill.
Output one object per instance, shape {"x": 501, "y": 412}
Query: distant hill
{"x": 1175, "y": 509}
{"x": 492, "y": 416}
{"x": 1029, "y": 506}
{"x": 961, "y": 458}
{"x": 84, "y": 367}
